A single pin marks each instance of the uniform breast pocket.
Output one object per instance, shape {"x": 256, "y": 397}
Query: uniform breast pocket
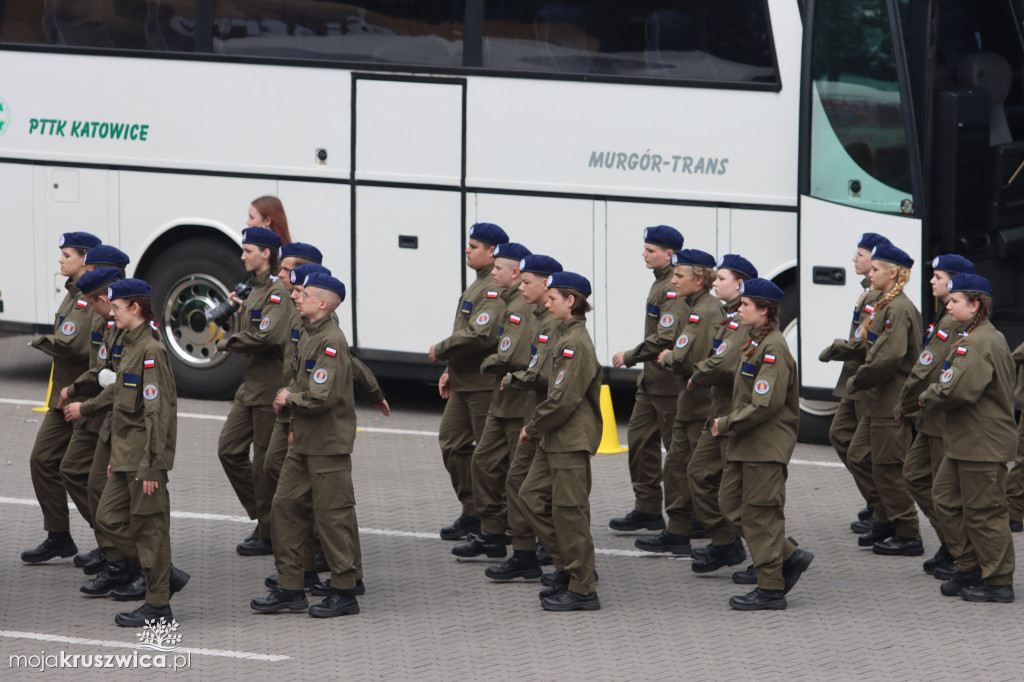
{"x": 127, "y": 392}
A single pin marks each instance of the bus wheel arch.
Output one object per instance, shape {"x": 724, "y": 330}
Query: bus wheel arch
{"x": 191, "y": 268}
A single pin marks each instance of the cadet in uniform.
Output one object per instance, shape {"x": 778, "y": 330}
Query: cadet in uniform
{"x": 762, "y": 430}
{"x": 568, "y": 424}
{"x": 926, "y": 453}
{"x": 852, "y": 351}
{"x": 317, "y": 472}
{"x": 892, "y": 335}
{"x": 135, "y": 509}
{"x": 718, "y": 372}
{"x": 468, "y": 392}
{"x": 261, "y": 340}
{"x": 505, "y": 417}
{"x": 974, "y": 391}
{"x": 694, "y": 334}
{"x": 86, "y": 403}
{"x": 525, "y": 562}
{"x": 650, "y": 425}
{"x": 69, "y": 345}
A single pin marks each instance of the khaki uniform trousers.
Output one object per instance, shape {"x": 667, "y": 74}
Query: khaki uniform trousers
{"x": 75, "y": 466}
{"x": 523, "y": 537}
{"x": 139, "y": 524}
{"x": 98, "y": 481}
{"x": 840, "y": 434}
{"x": 678, "y": 502}
{"x": 970, "y": 499}
{"x": 461, "y": 427}
{"x": 650, "y": 426}
{"x": 705, "y": 476}
{"x": 246, "y": 425}
{"x": 567, "y": 529}
{"x": 323, "y": 483}
{"x": 753, "y": 498}
{"x": 1015, "y": 479}
{"x": 490, "y": 464}
{"x": 923, "y": 460}
{"x": 44, "y": 465}
{"x": 875, "y": 459}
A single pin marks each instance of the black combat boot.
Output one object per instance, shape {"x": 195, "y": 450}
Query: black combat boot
{"x": 281, "y": 600}
{"x": 717, "y": 557}
{"x": 522, "y": 564}
{"x": 461, "y": 527}
{"x": 635, "y": 520}
{"x": 759, "y": 600}
{"x": 490, "y": 544}
{"x": 115, "y": 574}
{"x": 55, "y": 544}
{"x": 337, "y": 603}
{"x": 665, "y": 542}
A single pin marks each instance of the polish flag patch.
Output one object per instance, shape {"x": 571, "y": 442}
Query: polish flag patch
{"x": 960, "y": 350}
{"x": 492, "y": 294}
{"x": 568, "y": 353}
{"x": 869, "y": 309}
{"x": 81, "y": 303}
{"x": 941, "y": 334}
{"x": 543, "y": 338}
{"x": 671, "y": 294}
{"x": 274, "y": 298}
{"x": 694, "y": 318}
{"x": 769, "y": 358}
{"x": 514, "y": 319}
{"x": 734, "y": 325}
{"x": 149, "y": 364}
{"x": 330, "y": 351}
{"x": 110, "y": 324}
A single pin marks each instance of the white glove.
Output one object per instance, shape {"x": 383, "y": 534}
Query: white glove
{"x": 106, "y": 377}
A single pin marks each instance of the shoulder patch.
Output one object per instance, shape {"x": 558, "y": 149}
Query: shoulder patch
{"x": 721, "y": 348}
{"x": 68, "y": 328}
{"x": 671, "y": 295}
{"x": 533, "y": 362}
{"x": 81, "y": 303}
{"x": 947, "y": 376}
{"x": 483, "y": 318}
{"x": 320, "y": 376}
{"x": 103, "y": 353}
{"x": 694, "y": 318}
{"x": 150, "y": 392}
{"x": 734, "y": 325}
{"x": 869, "y": 309}
{"x": 330, "y": 351}
{"x": 149, "y": 364}
{"x": 762, "y": 387}
{"x": 505, "y": 344}
{"x": 264, "y": 324}
{"x": 542, "y": 338}
{"x": 769, "y": 358}
{"x": 682, "y": 341}
{"x": 960, "y": 350}
{"x": 568, "y": 353}
{"x": 942, "y": 334}
{"x": 514, "y": 319}
{"x": 667, "y": 320}
{"x": 110, "y": 324}
{"x": 492, "y": 294}
{"x": 274, "y": 298}
{"x": 926, "y": 358}
{"x": 560, "y": 378}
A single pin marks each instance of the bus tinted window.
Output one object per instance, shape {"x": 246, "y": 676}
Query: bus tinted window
{"x": 713, "y": 40}
{"x": 420, "y": 32}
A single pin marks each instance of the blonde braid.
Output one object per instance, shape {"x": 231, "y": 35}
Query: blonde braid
{"x": 770, "y": 322}
{"x": 902, "y": 277}
{"x": 983, "y": 308}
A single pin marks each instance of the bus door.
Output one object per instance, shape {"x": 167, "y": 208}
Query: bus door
{"x": 859, "y": 169}
{"x": 409, "y": 173}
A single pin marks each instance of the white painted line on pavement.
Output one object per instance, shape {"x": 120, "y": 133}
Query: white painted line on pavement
{"x": 374, "y": 429}
{"x": 38, "y": 636}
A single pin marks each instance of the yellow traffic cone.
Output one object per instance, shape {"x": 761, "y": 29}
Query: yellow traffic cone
{"x": 49, "y": 389}
{"x": 609, "y": 434}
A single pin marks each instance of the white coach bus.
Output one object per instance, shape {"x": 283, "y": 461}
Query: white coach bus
{"x": 387, "y": 128}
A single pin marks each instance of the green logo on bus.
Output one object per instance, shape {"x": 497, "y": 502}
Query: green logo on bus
{"x": 4, "y": 115}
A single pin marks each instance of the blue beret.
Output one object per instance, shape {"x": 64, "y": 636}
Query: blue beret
{"x": 947, "y": 262}
{"x": 542, "y": 265}
{"x": 892, "y": 254}
{"x": 322, "y": 280}
{"x": 870, "y": 240}
{"x": 127, "y": 288}
{"x": 301, "y": 250}
{"x": 761, "y": 288}
{"x": 299, "y": 274}
{"x": 489, "y": 233}
{"x": 569, "y": 280}
{"x": 739, "y": 264}
{"x": 511, "y": 250}
{"x": 97, "y": 279}
{"x": 79, "y": 240}
{"x": 700, "y": 259}
{"x": 663, "y": 235}
{"x": 969, "y": 282}
{"x": 261, "y": 236}
{"x": 105, "y": 254}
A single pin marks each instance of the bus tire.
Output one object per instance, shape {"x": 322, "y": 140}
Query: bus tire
{"x": 187, "y": 278}
{"x": 815, "y": 417}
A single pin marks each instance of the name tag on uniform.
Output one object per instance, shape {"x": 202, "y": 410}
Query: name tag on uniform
{"x": 653, "y": 311}
{"x": 747, "y": 369}
{"x": 130, "y": 381}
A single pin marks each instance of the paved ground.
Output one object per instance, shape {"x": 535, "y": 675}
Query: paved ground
{"x": 427, "y": 616}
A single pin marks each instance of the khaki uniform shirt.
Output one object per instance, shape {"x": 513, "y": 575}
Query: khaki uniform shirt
{"x": 695, "y": 337}
{"x": 765, "y": 412}
{"x": 96, "y": 401}
{"x": 70, "y": 342}
{"x": 893, "y": 343}
{"x": 719, "y": 370}
{"x": 943, "y": 336}
{"x": 293, "y": 320}
{"x": 513, "y": 354}
{"x": 262, "y": 339}
{"x": 664, "y": 307}
{"x": 322, "y": 399}
{"x": 569, "y": 418}
{"x": 852, "y": 350}
{"x": 474, "y": 334}
{"x": 145, "y": 414}
{"x": 534, "y": 379}
{"x": 974, "y": 390}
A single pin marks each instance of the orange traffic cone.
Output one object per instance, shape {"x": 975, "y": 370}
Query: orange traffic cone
{"x": 609, "y": 434}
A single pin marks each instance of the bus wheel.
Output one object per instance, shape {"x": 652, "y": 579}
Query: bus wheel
{"x": 187, "y": 279}
{"x": 815, "y": 415}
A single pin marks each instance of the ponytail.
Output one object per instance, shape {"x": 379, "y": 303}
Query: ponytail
{"x": 902, "y": 277}
{"x": 984, "y": 304}
{"x": 146, "y": 311}
{"x": 771, "y": 321}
